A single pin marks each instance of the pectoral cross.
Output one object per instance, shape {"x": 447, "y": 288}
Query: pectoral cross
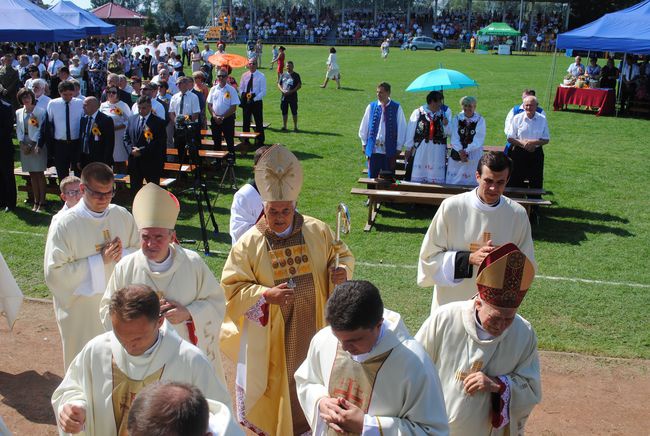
{"x": 476, "y": 367}
{"x": 478, "y": 244}
{"x": 352, "y": 392}
{"x": 107, "y": 239}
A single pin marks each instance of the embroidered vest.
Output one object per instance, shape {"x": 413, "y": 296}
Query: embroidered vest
{"x": 391, "y": 127}
{"x": 423, "y": 127}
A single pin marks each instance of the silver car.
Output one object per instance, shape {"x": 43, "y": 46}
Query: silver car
{"x": 425, "y": 43}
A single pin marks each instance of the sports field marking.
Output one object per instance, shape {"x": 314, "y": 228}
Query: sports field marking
{"x": 563, "y": 279}
{"x": 18, "y": 232}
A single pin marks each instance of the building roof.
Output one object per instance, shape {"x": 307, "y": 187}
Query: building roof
{"x": 112, "y": 11}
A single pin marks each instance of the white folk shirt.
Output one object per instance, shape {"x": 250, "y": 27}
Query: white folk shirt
{"x": 190, "y": 104}
{"x": 259, "y": 85}
{"x": 381, "y": 132}
{"x": 56, "y": 114}
{"x": 523, "y": 127}
{"x": 156, "y": 108}
{"x": 221, "y": 99}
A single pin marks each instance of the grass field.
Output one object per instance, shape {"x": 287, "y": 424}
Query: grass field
{"x": 591, "y": 245}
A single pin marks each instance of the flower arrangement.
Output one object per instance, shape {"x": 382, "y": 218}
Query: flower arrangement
{"x": 148, "y": 134}
{"x": 95, "y": 130}
{"x": 33, "y": 121}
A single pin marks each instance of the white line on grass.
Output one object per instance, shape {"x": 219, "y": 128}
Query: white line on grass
{"x": 18, "y": 232}
{"x": 563, "y": 279}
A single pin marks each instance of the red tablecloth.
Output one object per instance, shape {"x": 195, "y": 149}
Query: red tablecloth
{"x": 604, "y": 99}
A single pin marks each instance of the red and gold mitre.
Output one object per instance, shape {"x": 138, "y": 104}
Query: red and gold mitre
{"x": 505, "y": 276}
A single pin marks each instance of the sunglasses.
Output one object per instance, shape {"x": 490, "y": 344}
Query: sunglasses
{"x": 111, "y": 92}
{"x": 222, "y": 75}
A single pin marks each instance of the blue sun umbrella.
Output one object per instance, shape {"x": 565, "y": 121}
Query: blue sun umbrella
{"x": 439, "y": 80}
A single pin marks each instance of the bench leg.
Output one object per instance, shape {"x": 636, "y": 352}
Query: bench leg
{"x": 372, "y": 214}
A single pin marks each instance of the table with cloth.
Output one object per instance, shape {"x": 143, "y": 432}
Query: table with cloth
{"x": 602, "y": 98}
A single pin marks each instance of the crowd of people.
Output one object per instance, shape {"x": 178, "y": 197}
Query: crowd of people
{"x": 299, "y": 25}
{"x": 361, "y": 27}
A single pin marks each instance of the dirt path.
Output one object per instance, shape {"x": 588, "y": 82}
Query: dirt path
{"x": 582, "y": 395}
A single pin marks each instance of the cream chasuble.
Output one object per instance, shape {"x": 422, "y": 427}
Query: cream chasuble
{"x": 190, "y": 282}
{"x": 268, "y": 341}
{"x": 75, "y": 272}
{"x": 464, "y": 223}
{"x": 450, "y": 337}
{"x": 100, "y": 370}
{"x": 396, "y": 383}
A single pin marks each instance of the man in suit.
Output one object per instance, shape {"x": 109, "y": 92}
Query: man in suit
{"x": 97, "y": 135}
{"x": 147, "y": 138}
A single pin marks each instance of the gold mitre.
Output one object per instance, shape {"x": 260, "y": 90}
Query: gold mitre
{"x": 278, "y": 175}
{"x": 504, "y": 276}
{"x": 154, "y": 206}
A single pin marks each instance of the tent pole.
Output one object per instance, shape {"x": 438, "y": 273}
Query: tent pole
{"x": 549, "y": 85}
{"x": 620, "y": 84}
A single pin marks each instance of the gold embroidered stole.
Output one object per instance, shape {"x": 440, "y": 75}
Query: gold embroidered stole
{"x": 124, "y": 391}
{"x": 353, "y": 380}
{"x": 291, "y": 261}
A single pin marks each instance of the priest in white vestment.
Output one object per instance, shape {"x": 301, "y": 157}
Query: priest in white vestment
{"x": 466, "y": 228}
{"x": 155, "y": 411}
{"x": 100, "y": 385}
{"x": 485, "y": 353}
{"x": 83, "y": 245}
{"x": 192, "y": 299}
{"x": 365, "y": 374}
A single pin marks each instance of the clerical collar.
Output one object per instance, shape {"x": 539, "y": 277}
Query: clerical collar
{"x": 286, "y": 232}
{"x": 92, "y": 213}
{"x": 165, "y": 265}
{"x": 480, "y": 331}
{"x": 480, "y": 204}
{"x": 362, "y": 357}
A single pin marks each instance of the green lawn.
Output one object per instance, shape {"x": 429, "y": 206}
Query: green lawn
{"x": 598, "y": 228}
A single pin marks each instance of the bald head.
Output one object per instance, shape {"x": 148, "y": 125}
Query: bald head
{"x": 91, "y": 104}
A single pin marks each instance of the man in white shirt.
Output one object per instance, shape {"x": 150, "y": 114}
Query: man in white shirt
{"x": 54, "y": 65}
{"x": 222, "y": 104}
{"x": 151, "y": 90}
{"x": 247, "y": 205}
{"x": 205, "y": 55}
{"x": 253, "y": 89}
{"x": 64, "y": 114}
{"x": 528, "y": 132}
{"x": 163, "y": 74}
{"x": 382, "y": 131}
{"x": 576, "y": 68}
{"x": 184, "y": 107}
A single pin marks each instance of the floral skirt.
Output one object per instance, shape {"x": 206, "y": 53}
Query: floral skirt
{"x": 429, "y": 163}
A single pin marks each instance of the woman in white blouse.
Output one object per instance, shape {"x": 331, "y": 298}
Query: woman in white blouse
{"x": 120, "y": 113}
{"x": 333, "y": 71}
{"x": 33, "y": 158}
{"x": 467, "y": 136}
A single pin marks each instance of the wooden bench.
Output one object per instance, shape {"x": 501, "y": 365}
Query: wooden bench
{"x": 178, "y": 168}
{"x": 444, "y": 188}
{"x": 52, "y": 181}
{"x": 240, "y": 135}
{"x": 378, "y": 196}
{"x": 241, "y": 124}
{"x": 208, "y": 154}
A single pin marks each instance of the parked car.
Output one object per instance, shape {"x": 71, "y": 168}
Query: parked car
{"x": 425, "y": 43}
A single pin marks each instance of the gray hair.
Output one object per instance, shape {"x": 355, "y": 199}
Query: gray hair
{"x": 39, "y": 83}
{"x": 468, "y": 99}
{"x": 532, "y": 97}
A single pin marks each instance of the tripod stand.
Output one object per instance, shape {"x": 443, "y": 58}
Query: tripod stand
{"x": 198, "y": 188}
{"x": 229, "y": 173}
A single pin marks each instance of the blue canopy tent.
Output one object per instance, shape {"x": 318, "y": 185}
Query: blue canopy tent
{"x": 23, "y": 21}
{"x": 82, "y": 18}
{"x": 626, "y": 31}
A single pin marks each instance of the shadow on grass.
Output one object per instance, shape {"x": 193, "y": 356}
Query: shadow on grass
{"x": 347, "y": 88}
{"x": 318, "y": 133}
{"x": 406, "y": 212}
{"x": 24, "y": 213}
{"x": 191, "y": 238}
{"x": 570, "y": 226}
{"x": 29, "y": 394}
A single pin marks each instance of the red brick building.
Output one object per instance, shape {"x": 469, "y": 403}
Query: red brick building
{"x": 128, "y": 23}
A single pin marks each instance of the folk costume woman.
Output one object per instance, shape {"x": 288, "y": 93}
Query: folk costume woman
{"x": 467, "y": 137}
{"x": 426, "y": 140}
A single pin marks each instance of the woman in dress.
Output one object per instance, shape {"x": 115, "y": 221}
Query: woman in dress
{"x": 426, "y": 140}
{"x": 115, "y": 64}
{"x": 281, "y": 61}
{"x": 136, "y": 66}
{"x": 97, "y": 75}
{"x": 76, "y": 72}
{"x": 196, "y": 59}
{"x": 120, "y": 113}
{"x": 145, "y": 64}
{"x": 332, "y": 70}
{"x": 467, "y": 136}
{"x": 33, "y": 158}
